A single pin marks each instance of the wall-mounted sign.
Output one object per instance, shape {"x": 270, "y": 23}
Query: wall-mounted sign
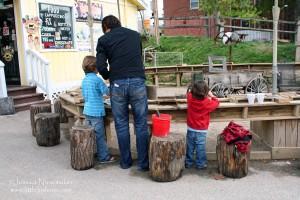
{"x": 81, "y": 11}
{"x": 56, "y": 27}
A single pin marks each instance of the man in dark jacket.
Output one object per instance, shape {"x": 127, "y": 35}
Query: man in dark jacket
{"x": 121, "y": 47}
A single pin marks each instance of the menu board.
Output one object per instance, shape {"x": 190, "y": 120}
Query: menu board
{"x": 56, "y": 27}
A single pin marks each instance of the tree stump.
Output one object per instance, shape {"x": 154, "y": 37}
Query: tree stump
{"x": 82, "y": 147}
{"x": 231, "y": 162}
{"x": 166, "y": 157}
{"x": 47, "y": 129}
{"x": 35, "y": 109}
{"x": 62, "y": 112}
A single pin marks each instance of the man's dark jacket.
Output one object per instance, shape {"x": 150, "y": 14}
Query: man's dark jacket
{"x": 122, "y": 48}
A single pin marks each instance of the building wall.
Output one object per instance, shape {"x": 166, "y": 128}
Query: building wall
{"x": 65, "y": 65}
{"x": 182, "y": 9}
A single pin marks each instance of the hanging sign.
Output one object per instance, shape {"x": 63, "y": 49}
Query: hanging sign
{"x": 56, "y": 27}
{"x": 81, "y": 11}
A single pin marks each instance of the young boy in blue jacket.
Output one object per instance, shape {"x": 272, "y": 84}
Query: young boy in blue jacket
{"x": 93, "y": 90}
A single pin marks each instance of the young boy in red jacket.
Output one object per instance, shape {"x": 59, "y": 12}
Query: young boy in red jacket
{"x": 200, "y": 102}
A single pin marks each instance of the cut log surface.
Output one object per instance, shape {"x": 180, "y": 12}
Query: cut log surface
{"x": 62, "y": 112}
{"x": 166, "y": 157}
{"x": 82, "y": 147}
{"x": 35, "y": 109}
{"x": 47, "y": 129}
{"x": 231, "y": 162}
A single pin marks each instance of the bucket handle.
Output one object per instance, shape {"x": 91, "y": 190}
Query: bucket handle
{"x": 157, "y": 113}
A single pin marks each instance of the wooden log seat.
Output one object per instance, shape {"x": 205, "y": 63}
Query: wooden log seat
{"x": 47, "y": 129}
{"x": 82, "y": 147}
{"x": 231, "y": 162}
{"x": 62, "y": 112}
{"x": 166, "y": 157}
{"x": 35, "y": 109}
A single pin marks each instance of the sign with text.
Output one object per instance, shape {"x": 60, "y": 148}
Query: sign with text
{"x": 56, "y": 27}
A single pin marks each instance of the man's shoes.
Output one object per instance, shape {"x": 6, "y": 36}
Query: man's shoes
{"x": 188, "y": 166}
{"x": 143, "y": 169}
{"x": 202, "y": 167}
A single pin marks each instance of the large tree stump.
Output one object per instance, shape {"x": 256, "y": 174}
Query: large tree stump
{"x": 166, "y": 157}
{"x": 231, "y": 162}
{"x": 35, "y": 109}
{"x": 47, "y": 129}
{"x": 82, "y": 147}
{"x": 62, "y": 112}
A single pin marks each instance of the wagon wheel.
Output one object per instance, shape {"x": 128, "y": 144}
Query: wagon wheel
{"x": 257, "y": 85}
{"x": 220, "y": 90}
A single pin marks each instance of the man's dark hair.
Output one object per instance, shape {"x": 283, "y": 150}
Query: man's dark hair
{"x": 110, "y": 22}
{"x": 199, "y": 89}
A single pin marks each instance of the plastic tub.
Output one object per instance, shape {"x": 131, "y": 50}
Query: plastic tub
{"x": 161, "y": 125}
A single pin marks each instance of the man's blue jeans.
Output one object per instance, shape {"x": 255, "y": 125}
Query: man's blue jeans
{"x": 98, "y": 125}
{"x": 196, "y": 141}
{"x": 125, "y": 92}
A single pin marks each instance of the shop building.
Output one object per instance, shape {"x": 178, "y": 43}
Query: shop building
{"x": 43, "y": 42}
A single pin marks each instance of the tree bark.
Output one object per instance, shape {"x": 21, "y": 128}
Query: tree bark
{"x": 166, "y": 157}
{"x": 35, "y": 109}
{"x": 62, "y": 112}
{"x": 47, "y": 129}
{"x": 82, "y": 147}
{"x": 231, "y": 162}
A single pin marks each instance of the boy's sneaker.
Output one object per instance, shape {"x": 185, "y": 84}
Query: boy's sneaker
{"x": 201, "y": 167}
{"x": 110, "y": 160}
{"x": 188, "y": 166}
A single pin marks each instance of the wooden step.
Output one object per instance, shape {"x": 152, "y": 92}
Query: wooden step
{"x": 26, "y": 98}
{"x": 26, "y": 106}
{"x": 20, "y": 90}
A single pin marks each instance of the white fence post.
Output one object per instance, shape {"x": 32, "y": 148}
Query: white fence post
{"x": 298, "y": 42}
{"x": 3, "y": 90}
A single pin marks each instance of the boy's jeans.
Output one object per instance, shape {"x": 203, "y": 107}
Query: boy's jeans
{"x": 124, "y": 92}
{"x": 98, "y": 125}
{"x": 196, "y": 141}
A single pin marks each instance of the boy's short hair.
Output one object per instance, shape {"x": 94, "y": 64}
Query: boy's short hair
{"x": 89, "y": 64}
{"x": 199, "y": 89}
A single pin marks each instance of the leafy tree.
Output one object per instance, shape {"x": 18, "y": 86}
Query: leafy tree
{"x": 229, "y": 8}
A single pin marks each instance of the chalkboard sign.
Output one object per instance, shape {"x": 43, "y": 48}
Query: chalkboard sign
{"x": 57, "y": 26}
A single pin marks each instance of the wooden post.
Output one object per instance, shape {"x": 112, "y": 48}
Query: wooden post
{"x": 166, "y": 157}
{"x": 152, "y": 92}
{"x": 231, "y": 162}
{"x": 178, "y": 79}
{"x": 298, "y": 42}
{"x": 35, "y": 109}
{"x": 82, "y": 147}
{"x": 156, "y": 80}
{"x": 47, "y": 129}
{"x": 62, "y": 112}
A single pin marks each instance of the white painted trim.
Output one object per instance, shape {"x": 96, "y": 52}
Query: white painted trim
{"x": 3, "y": 90}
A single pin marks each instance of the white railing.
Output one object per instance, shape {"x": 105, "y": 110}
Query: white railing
{"x": 37, "y": 71}
{"x": 3, "y": 90}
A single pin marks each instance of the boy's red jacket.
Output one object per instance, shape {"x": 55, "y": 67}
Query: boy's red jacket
{"x": 198, "y": 111}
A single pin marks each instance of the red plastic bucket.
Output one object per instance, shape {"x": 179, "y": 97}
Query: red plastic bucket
{"x": 161, "y": 125}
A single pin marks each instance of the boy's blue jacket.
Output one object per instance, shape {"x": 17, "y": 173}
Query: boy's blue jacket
{"x": 93, "y": 89}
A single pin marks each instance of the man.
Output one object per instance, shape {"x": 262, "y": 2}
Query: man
{"x": 122, "y": 48}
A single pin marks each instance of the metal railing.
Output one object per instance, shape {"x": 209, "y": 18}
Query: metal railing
{"x": 3, "y": 90}
{"x": 37, "y": 71}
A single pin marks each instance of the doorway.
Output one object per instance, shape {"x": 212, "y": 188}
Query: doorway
{"x": 8, "y": 43}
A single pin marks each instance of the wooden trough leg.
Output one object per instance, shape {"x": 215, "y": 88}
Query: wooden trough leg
{"x": 166, "y": 157}
{"x": 35, "y": 109}
{"x": 47, "y": 129}
{"x": 82, "y": 147}
{"x": 231, "y": 162}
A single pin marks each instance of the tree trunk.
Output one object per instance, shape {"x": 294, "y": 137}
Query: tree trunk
{"x": 166, "y": 157}
{"x": 35, "y": 109}
{"x": 62, "y": 112}
{"x": 47, "y": 129}
{"x": 231, "y": 162}
{"x": 82, "y": 147}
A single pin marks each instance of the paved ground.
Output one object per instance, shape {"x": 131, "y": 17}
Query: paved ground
{"x": 28, "y": 171}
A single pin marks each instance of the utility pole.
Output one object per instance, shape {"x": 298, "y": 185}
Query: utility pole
{"x": 276, "y": 12}
{"x": 156, "y": 22}
{"x": 119, "y": 12}
{"x": 90, "y": 23}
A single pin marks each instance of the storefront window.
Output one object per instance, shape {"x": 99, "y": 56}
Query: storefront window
{"x": 57, "y": 26}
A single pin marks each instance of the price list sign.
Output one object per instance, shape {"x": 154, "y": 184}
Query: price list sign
{"x": 57, "y": 26}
